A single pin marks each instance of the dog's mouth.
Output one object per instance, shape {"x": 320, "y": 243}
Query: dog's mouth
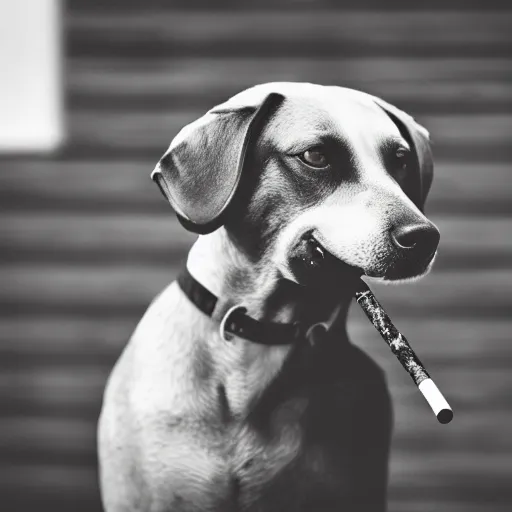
{"x": 313, "y": 265}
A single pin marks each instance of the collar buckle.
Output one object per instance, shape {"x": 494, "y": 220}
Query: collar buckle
{"x": 317, "y": 333}
{"x": 225, "y": 334}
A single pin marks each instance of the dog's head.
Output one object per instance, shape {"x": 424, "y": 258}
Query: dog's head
{"x": 297, "y": 173}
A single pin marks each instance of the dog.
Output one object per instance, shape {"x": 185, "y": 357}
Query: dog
{"x": 239, "y": 389}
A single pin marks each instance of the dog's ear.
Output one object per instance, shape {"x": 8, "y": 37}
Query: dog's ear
{"x": 201, "y": 171}
{"x": 418, "y": 138}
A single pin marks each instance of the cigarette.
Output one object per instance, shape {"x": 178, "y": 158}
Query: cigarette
{"x": 404, "y": 353}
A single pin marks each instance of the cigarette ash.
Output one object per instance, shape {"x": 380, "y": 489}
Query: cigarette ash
{"x": 396, "y": 341}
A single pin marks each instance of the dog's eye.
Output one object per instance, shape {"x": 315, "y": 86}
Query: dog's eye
{"x": 402, "y": 162}
{"x": 402, "y": 156}
{"x": 314, "y": 157}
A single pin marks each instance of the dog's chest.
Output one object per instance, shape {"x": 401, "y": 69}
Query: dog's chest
{"x": 305, "y": 447}
{"x": 278, "y": 464}
{"x": 313, "y": 455}
{"x": 322, "y": 445}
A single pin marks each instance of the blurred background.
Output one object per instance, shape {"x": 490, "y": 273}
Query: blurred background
{"x": 87, "y": 240}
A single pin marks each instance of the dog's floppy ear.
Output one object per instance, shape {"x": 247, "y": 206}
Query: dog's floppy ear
{"x": 201, "y": 171}
{"x": 418, "y": 138}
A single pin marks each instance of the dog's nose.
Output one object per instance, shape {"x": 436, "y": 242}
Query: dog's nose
{"x": 423, "y": 238}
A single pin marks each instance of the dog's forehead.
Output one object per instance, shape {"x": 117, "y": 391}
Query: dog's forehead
{"x": 309, "y": 110}
{"x": 350, "y": 117}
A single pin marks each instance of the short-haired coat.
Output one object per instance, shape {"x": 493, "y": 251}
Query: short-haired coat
{"x": 191, "y": 422}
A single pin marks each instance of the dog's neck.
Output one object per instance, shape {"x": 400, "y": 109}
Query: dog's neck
{"x": 225, "y": 271}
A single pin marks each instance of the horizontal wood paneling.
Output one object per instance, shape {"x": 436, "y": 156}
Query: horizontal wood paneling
{"x": 198, "y": 75}
{"x": 205, "y": 81}
{"x": 100, "y": 8}
{"x": 488, "y": 96}
{"x": 26, "y": 486}
{"x": 318, "y": 33}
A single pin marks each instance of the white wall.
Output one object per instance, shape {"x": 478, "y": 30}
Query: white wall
{"x": 30, "y": 75}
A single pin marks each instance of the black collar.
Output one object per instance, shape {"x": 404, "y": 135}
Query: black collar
{"x": 236, "y": 322}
